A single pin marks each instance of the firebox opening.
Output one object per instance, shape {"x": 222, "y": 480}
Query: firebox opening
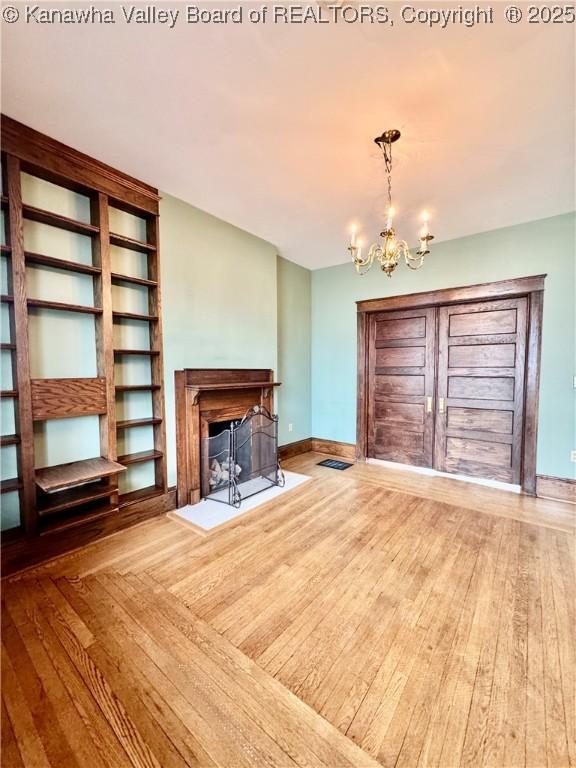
{"x": 217, "y": 427}
{"x": 240, "y": 458}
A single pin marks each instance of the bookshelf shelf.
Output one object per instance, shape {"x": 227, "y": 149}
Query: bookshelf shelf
{"x": 52, "y": 261}
{"x": 134, "y": 316}
{"x": 133, "y": 245}
{"x": 129, "y": 423}
{"x": 62, "y": 476}
{"x": 55, "y": 220}
{"x": 141, "y": 456}
{"x": 137, "y": 352}
{"x": 117, "y": 278}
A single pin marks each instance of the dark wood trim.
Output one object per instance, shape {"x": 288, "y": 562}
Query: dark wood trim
{"x": 334, "y": 448}
{"x": 289, "y": 450}
{"x": 17, "y": 554}
{"x": 531, "y": 287}
{"x": 520, "y": 286}
{"x": 104, "y": 324}
{"x": 318, "y": 445}
{"x": 362, "y": 395}
{"x": 557, "y": 488}
{"x": 155, "y": 342}
{"x": 182, "y": 480}
{"x": 19, "y": 336}
{"x": 61, "y": 164}
{"x": 532, "y": 388}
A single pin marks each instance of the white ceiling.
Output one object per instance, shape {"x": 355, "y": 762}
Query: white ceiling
{"x": 271, "y": 127}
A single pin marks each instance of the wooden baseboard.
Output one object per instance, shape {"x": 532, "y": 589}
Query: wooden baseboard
{"x": 332, "y": 447}
{"x": 22, "y": 553}
{"x": 558, "y": 488}
{"x": 290, "y": 450}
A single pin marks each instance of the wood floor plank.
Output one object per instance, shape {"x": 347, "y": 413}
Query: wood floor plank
{"x": 137, "y": 681}
{"x": 562, "y": 562}
{"x": 29, "y": 742}
{"x": 444, "y": 713}
{"x": 67, "y": 715}
{"x": 440, "y": 618}
{"x": 262, "y": 695}
{"x": 50, "y": 628}
{"x": 215, "y": 699}
{"x": 38, "y": 700}
{"x": 8, "y": 744}
{"x": 535, "y": 701}
{"x": 369, "y": 618}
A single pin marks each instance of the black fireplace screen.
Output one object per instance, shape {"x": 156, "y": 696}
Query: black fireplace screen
{"x": 243, "y": 459}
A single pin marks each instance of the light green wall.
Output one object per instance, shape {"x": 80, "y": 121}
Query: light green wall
{"x": 545, "y": 246}
{"x": 219, "y": 299}
{"x": 294, "y": 360}
{"x": 230, "y": 301}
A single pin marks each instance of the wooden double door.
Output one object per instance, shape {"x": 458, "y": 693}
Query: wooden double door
{"x": 445, "y": 387}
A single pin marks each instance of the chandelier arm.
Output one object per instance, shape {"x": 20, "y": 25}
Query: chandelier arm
{"x": 413, "y": 262}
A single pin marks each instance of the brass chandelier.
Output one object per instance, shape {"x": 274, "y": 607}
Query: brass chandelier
{"x": 391, "y": 250}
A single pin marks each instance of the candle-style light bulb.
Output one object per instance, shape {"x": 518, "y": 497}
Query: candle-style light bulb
{"x": 424, "y": 231}
{"x": 390, "y": 217}
{"x": 353, "y": 235}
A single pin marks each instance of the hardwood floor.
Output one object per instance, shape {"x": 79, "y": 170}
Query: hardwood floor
{"x": 371, "y": 617}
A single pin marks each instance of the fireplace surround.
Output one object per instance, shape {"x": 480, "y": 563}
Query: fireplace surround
{"x": 206, "y": 396}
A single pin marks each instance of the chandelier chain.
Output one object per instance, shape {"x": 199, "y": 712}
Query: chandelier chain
{"x": 387, "y": 152}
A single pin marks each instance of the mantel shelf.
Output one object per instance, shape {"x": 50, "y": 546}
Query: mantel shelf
{"x": 67, "y": 475}
{"x": 241, "y": 385}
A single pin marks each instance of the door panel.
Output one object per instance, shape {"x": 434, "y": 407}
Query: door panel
{"x": 481, "y": 419}
{"x": 401, "y": 380}
{"x": 480, "y": 389}
{"x": 482, "y": 356}
{"x": 403, "y": 357}
{"x": 492, "y": 321}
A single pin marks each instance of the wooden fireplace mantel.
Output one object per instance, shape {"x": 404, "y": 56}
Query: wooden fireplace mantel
{"x": 207, "y": 395}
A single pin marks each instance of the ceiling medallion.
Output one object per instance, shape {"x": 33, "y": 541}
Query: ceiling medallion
{"x": 389, "y": 252}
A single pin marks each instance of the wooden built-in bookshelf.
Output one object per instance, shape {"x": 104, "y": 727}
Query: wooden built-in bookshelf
{"x": 70, "y": 504}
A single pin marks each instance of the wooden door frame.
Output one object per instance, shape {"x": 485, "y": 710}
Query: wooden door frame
{"x": 530, "y": 287}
